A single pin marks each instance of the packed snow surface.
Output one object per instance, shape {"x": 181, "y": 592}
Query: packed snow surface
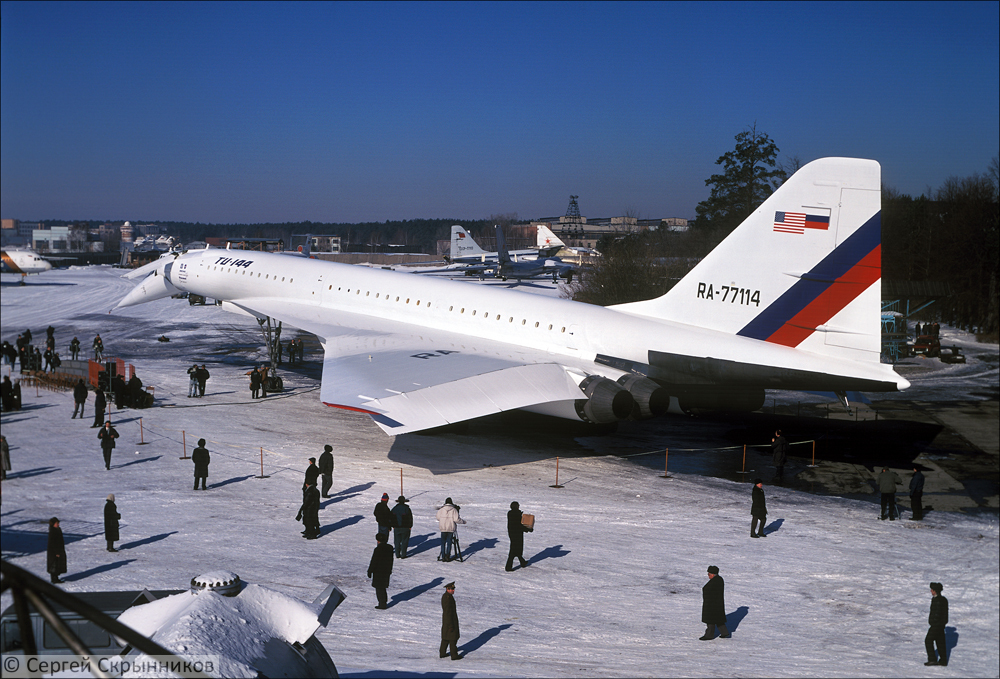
{"x": 617, "y": 559}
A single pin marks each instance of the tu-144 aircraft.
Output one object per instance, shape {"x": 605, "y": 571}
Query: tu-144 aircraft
{"x": 789, "y": 300}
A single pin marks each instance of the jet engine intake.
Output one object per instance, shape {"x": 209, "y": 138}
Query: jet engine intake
{"x": 721, "y": 399}
{"x": 606, "y": 401}
{"x": 651, "y": 400}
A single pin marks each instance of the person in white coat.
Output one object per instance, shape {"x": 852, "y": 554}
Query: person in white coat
{"x": 448, "y": 518}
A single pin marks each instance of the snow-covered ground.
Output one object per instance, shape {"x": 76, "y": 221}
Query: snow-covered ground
{"x": 618, "y": 556}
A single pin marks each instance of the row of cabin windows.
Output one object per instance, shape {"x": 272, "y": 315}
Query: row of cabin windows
{"x": 378, "y": 295}
{"x": 244, "y": 272}
{"x": 486, "y": 314}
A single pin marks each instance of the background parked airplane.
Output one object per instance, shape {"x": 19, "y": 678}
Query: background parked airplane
{"x": 548, "y": 240}
{"x": 466, "y": 250}
{"x": 23, "y": 261}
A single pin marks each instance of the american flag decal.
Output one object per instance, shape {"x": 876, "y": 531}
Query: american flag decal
{"x": 798, "y": 222}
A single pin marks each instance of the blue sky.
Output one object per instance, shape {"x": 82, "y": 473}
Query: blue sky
{"x": 366, "y": 112}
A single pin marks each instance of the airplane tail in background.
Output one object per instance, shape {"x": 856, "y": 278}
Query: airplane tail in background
{"x": 503, "y": 254}
{"x": 804, "y": 270}
{"x": 462, "y": 244}
{"x": 547, "y": 239}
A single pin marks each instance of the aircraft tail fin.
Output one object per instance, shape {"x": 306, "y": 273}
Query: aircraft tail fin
{"x": 804, "y": 270}
{"x": 547, "y": 239}
{"x": 462, "y": 244}
{"x": 503, "y": 254}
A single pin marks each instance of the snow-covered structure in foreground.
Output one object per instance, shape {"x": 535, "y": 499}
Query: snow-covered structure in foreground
{"x": 255, "y": 631}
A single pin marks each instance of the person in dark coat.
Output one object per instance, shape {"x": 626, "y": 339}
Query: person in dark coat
{"x": 98, "y": 347}
{"x": 202, "y": 375}
{"x": 779, "y": 454}
{"x": 100, "y": 405}
{"x": 887, "y": 481}
{"x": 107, "y": 435}
{"x": 326, "y": 470}
{"x": 79, "y": 398}
{"x": 192, "y": 381}
{"x": 713, "y": 605}
{"x": 404, "y": 522}
{"x": 4, "y": 458}
{"x": 201, "y": 459}
{"x": 74, "y": 348}
{"x": 449, "y": 623}
{"x": 309, "y": 512}
{"x": 937, "y": 619}
{"x": 48, "y": 356}
{"x": 111, "y": 517}
{"x": 254, "y": 383}
{"x": 917, "y": 495}
{"x": 515, "y": 531}
{"x": 312, "y": 475}
{"x": 55, "y": 557}
{"x": 120, "y": 390}
{"x": 6, "y": 394}
{"x": 383, "y": 516}
{"x": 758, "y": 510}
{"x": 379, "y": 570}
{"x": 136, "y": 396}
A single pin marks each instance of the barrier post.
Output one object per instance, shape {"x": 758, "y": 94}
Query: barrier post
{"x": 400, "y": 480}
{"x": 814, "y": 455}
{"x": 184, "y": 444}
{"x": 557, "y": 475}
{"x": 262, "y": 465}
{"x": 142, "y": 437}
{"x": 744, "y": 470}
{"x": 666, "y": 457}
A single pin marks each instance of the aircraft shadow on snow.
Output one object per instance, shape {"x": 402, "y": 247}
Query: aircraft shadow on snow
{"x": 33, "y": 284}
{"x": 497, "y": 440}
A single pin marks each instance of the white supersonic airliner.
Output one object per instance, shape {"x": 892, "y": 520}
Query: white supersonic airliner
{"x": 789, "y": 300}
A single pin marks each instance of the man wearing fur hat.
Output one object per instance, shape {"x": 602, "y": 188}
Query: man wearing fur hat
{"x": 384, "y": 517}
{"x": 713, "y": 606}
{"x": 937, "y": 619}
{"x": 380, "y": 569}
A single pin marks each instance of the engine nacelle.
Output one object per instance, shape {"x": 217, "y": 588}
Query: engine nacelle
{"x": 651, "y": 400}
{"x": 721, "y": 399}
{"x": 606, "y": 401}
